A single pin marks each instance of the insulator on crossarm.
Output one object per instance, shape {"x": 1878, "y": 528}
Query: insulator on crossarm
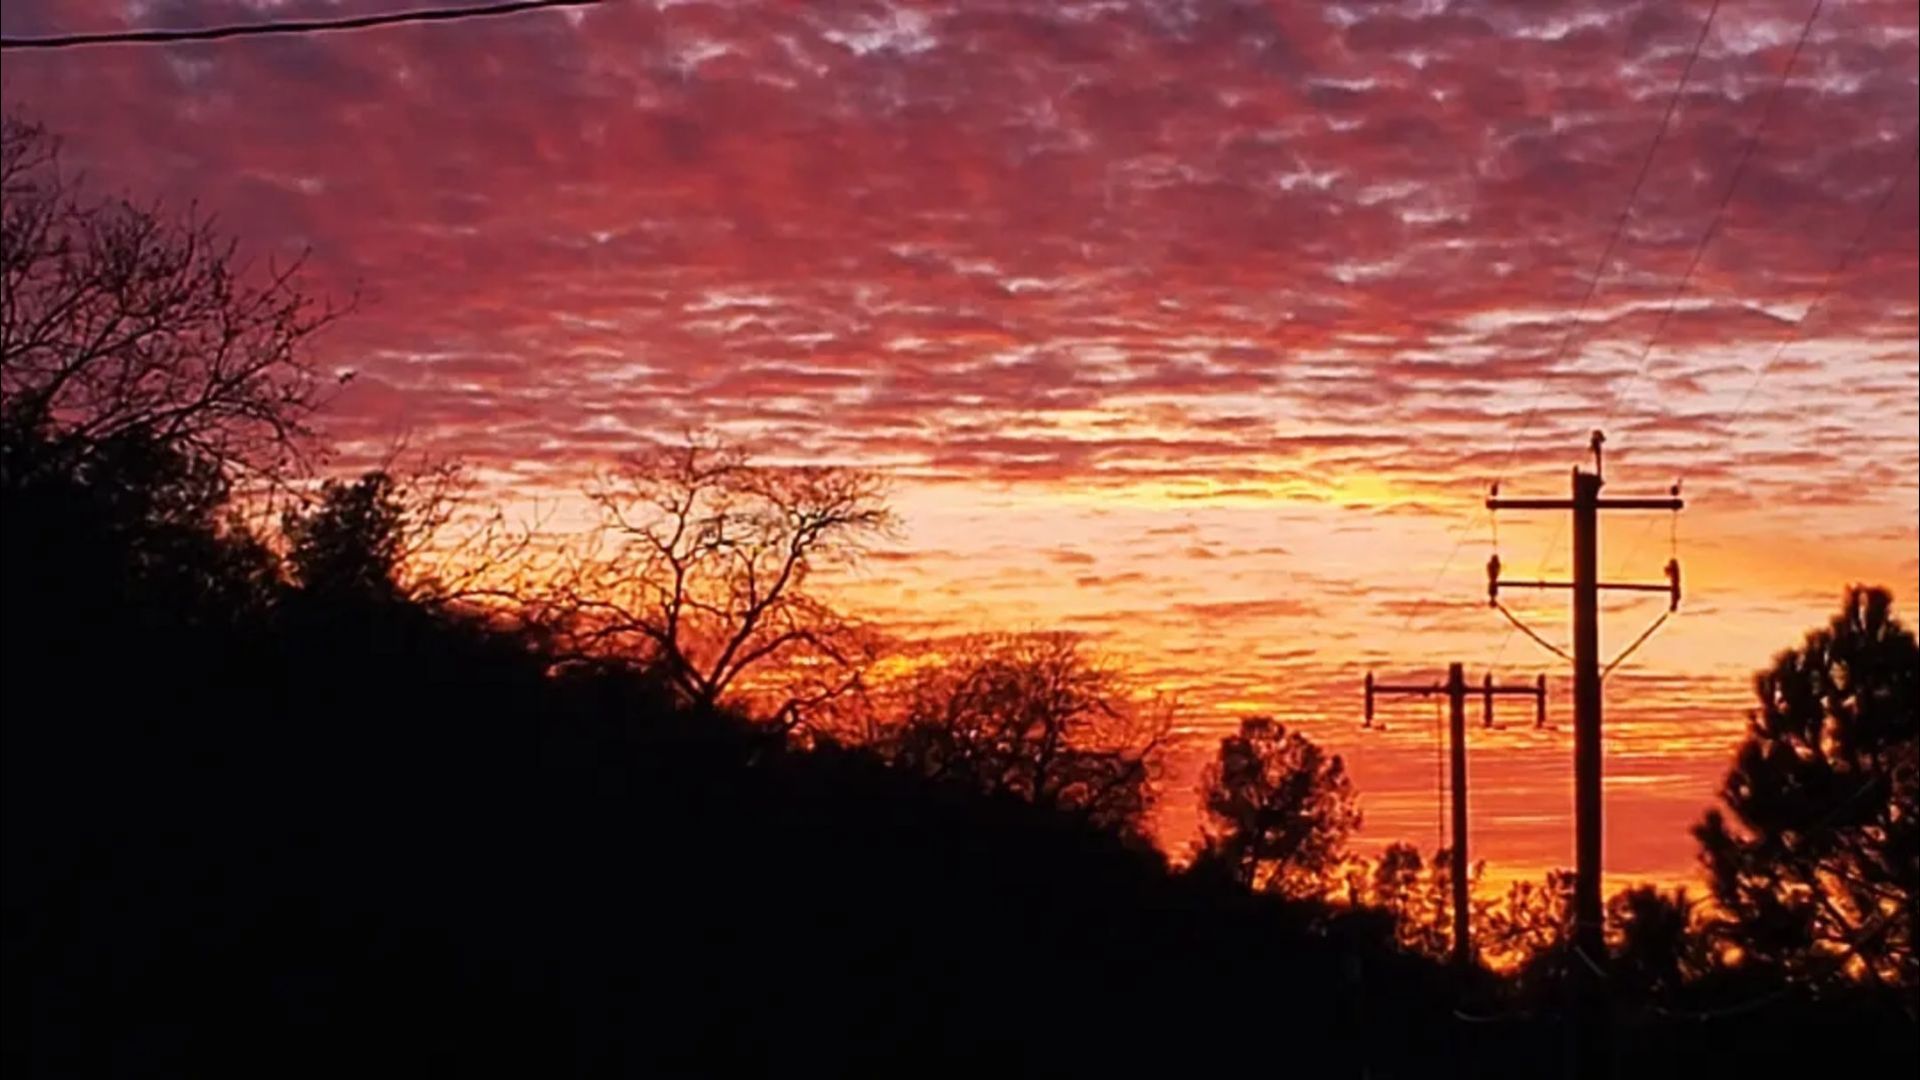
{"x": 1673, "y": 580}
{"x": 1493, "y": 580}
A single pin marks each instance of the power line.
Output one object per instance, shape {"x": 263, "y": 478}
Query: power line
{"x": 1693, "y": 263}
{"x": 1591, "y": 1030}
{"x": 1619, "y": 228}
{"x": 1794, "y": 333}
{"x": 1719, "y": 212}
{"x": 1826, "y": 287}
{"x": 293, "y": 26}
{"x": 1573, "y": 324}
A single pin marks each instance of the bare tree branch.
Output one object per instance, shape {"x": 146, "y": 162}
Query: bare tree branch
{"x": 118, "y": 320}
{"x": 703, "y": 564}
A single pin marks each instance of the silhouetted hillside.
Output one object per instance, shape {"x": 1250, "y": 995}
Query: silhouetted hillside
{"x": 260, "y": 829}
{"x": 255, "y": 827}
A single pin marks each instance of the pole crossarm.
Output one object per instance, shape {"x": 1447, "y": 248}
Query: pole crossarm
{"x": 1494, "y": 502}
{"x": 1537, "y": 691}
{"x": 1495, "y": 583}
{"x": 1618, "y": 586}
{"x": 1487, "y": 690}
{"x": 1672, "y": 503}
{"x": 1635, "y": 586}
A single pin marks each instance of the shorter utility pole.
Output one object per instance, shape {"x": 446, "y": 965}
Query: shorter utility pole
{"x": 1456, "y": 691}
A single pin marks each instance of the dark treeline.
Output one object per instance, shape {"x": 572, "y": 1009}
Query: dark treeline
{"x": 264, "y": 819}
{"x": 274, "y": 807}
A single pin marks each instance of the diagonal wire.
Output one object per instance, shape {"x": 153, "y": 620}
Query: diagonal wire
{"x": 1586, "y": 301}
{"x": 1637, "y": 642}
{"x": 1613, "y": 240}
{"x": 1720, "y": 211}
{"x": 1699, "y": 253}
{"x": 291, "y": 26}
{"x": 1795, "y": 332}
{"x": 1530, "y": 632}
{"x": 1792, "y": 337}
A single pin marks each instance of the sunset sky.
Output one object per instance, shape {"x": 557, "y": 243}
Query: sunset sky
{"x": 1199, "y": 326}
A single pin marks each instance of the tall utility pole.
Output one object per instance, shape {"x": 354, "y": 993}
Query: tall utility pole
{"x": 1456, "y": 691}
{"x": 1592, "y": 1050}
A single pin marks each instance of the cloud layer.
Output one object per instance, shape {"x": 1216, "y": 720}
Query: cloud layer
{"x": 1297, "y": 279}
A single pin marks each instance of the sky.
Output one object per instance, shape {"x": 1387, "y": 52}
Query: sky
{"x": 1199, "y": 327}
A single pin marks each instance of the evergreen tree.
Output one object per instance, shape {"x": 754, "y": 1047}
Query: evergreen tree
{"x": 1817, "y": 870}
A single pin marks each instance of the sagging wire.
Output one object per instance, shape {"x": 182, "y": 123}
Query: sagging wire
{"x": 1637, "y": 642}
{"x": 1673, "y": 602}
{"x": 1529, "y": 631}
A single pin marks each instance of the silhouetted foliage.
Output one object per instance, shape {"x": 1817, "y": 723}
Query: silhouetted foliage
{"x": 351, "y": 543}
{"x": 1416, "y": 892}
{"x": 129, "y": 523}
{"x": 1531, "y": 928}
{"x": 121, "y": 323}
{"x": 1279, "y": 810}
{"x": 1656, "y": 948}
{"x": 1818, "y": 872}
{"x": 1035, "y": 717}
{"x": 330, "y": 828}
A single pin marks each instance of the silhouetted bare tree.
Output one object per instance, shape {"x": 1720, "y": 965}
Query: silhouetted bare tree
{"x": 1038, "y": 717}
{"x": 704, "y": 563}
{"x": 119, "y": 321}
{"x": 1279, "y": 809}
{"x": 1818, "y": 871}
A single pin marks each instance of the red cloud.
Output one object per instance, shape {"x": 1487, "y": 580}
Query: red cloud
{"x": 1231, "y": 244}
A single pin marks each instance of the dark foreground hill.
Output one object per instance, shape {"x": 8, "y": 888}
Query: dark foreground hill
{"x": 255, "y": 830}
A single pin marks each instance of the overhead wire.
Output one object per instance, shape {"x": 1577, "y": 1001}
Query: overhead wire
{"x": 1464, "y": 529}
{"x": 1720, "y": 211}
{"x": 1637, "y": 642}
{"x": 1797, "y": 329}
{"x": 1586, "y": 300}
{"x": 285, "y": 27}
{"x": 1613, "y": 239}
{"x": 1530, "y": 632}
{"x": 1693, "y": 264}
